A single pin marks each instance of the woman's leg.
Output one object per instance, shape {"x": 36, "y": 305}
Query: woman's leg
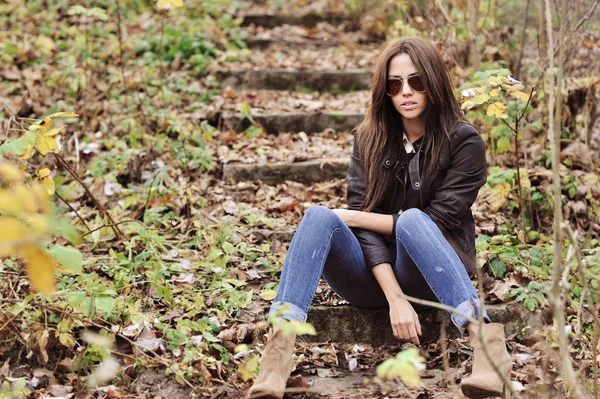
{"x": 419, "y": 237}
{"x": 324, "y": 245}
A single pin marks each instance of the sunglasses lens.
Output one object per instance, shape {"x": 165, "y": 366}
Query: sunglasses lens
{"x": 394, "y": 86}
{"x": 416, "y": 83}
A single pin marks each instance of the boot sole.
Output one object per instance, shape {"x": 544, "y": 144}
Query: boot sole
{"x": 264, "y": 395}
{"x": 479, "y": 393}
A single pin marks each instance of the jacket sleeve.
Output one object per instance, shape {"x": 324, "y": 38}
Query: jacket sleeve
{"x": 373, "y": 244}
{"x": 465, "y": 175}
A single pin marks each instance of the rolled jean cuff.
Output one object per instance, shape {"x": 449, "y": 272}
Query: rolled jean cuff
{"x": 293, "y": 312}
{"x": 471, "y": 308}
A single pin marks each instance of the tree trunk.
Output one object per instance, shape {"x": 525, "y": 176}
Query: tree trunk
{"x": 542, "y": 37}
{"x": 554, "y": 130}
{"x": 474, "y": 56}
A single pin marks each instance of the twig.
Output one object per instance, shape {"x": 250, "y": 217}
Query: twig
{"x": 72, "y": 210}
{"x": 554, "y": 111}
{"x": 481, "y": 335}
{"x": 523, "y": 39}
{"x": 581, "y": 269}
{"x": 188, "y": 212}
{"x": 149, "y": 195}
{"x": 126, "y": 221}
{"x": 587, "y": 15}
{"x": 121, "y": 63}
{"x": 75, "y": 176}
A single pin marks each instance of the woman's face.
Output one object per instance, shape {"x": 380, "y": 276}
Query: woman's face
{"x": 409, "y": 101}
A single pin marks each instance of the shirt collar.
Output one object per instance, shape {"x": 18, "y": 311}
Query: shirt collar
{"x": 410, "y": 149}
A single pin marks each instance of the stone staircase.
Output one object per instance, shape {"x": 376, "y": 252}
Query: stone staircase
{"x": 319, "y": 106}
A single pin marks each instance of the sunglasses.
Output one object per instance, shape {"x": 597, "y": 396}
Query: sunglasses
{"x": 394, "y": 85}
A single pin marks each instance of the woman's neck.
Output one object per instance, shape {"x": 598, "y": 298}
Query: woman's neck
{"x": 414, "y": 128}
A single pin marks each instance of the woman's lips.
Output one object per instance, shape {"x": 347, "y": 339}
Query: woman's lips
{"x": 409, "y": 106}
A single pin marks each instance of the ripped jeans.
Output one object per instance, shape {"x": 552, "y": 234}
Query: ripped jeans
{"x": 426, "y": 266}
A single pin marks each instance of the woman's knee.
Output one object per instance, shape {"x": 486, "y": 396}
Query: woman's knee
{"x": 318, "y": 213}
{"x": 409, "y": 219}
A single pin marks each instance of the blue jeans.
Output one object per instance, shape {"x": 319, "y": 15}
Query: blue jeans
{"x": 426, "y": 266}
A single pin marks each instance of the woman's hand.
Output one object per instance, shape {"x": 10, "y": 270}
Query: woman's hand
{"x": 404, "y": 319}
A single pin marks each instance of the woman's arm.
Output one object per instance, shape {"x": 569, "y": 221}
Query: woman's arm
{"x": 377, "y": 222}
{"x": 404, "y": 319}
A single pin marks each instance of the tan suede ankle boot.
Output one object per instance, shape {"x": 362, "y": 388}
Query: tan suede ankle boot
{"x": 276, "y": 365}
{"x": 484, "y": 381}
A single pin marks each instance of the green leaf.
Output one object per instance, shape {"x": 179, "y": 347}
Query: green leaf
{"x": 105, "y": 303}
{"x": 503, "y": 144}
{"x": 70, "y": 258}
{"x": 498, "y": 268}
{"x": 228, "y": 248}
{"x": 480, "y": 99}
{"x": 214, "y": 254}
{"x": 18, "y": 146}
{"x": 298, "y": 327}
{"x": 406, "y": 366}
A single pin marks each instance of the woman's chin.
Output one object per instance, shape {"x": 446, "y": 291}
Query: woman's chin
{"x": 411, "y": 115}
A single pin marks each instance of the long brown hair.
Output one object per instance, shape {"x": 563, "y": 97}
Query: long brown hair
{"x": 382, "y": 127}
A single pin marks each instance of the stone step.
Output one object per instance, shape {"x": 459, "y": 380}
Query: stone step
{"x": 293, "y": 80}
{"x": 295, "y": 37}
{"x": 264, "y": 43}
{"x": 308, "y": 19}
{"x": 348, "y": 324}
{"x": 282, "y": 122}
{"x": 307, "y": 172}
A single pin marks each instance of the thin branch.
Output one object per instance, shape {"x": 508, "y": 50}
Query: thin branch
{"x": 75, "y": 176}
{"x": 72, "y": 210}
{"x": 523, "y": 40}
{"x": 554, "y": 110}
{"x": 470, "y": 319}
{"x": 587, "y": 15}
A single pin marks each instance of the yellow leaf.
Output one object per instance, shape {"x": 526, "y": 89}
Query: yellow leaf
{"x": 520, "y": 95}
{"x": 498, "y": 109}
{"x": 63, "y": 115}
{"x": 499, "y": 198}
{"x": 11, "y": 233}
{"x": 40, "y": 194}
{"x": 9, "y": 202}
{"x": 27, "y": 153}
{"x": 49, "y": 185}
{"x": 501, "y": 113}
{"x": 46, "y": 141}
{"x": 494, "y": 92}
{"x": 43, "y": 126}
{"x": 10, "y": 173}
{"x": 25, "y": 198}
{"x": 268, "y": 295}
{"x": 40, "y": 268}
{"x": 43, "y": 173}
{"x": 249, "y": 368}
{"x": 467, "y": 105}
{"x": 38, "y": 224}
{"x": 169, "y": 4}
{"x": 45, "y": 44}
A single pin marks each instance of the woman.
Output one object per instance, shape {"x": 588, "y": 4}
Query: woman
{"x": 415, "y": 171}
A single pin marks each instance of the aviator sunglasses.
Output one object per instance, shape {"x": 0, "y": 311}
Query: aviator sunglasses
{"x": 394, "y": 85}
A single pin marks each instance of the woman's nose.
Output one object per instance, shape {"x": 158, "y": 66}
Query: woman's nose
{"x": 406, "y": 89}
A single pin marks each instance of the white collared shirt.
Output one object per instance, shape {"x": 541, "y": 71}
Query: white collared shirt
{"x": 407, "y": 144}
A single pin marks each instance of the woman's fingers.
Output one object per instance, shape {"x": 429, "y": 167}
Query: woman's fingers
{"x": 406, "y": 331}
{"x": 417, "y": 323}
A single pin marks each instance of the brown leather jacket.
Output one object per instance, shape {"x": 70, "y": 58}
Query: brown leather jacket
{"x": 446, "y": 196}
